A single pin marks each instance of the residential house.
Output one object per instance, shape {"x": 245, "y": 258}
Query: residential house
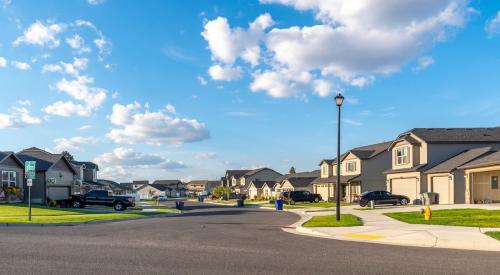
{"x": 447, "y": 179}
{"x": 269, "y": 189}
{"x": 176, "y": 188}
{"x": 254, "y": 190}
{"x": 136, "y": 184}
{"x": 201, "y": 187}
{"x": 240, "y": 179}
{"x": 298, "y": 184}
{"x": 361, "y": 169}
{"x": 233, "y": 177}
{"x": 278, "y": 187}
{"x": 481, "y": 179}
{"x": 148, "y": 191}
{"x": 86, "y": 176}
{"x": 55, "y": 175}
{"x": 418, "y": 150}
{"x": 12, "y": 186}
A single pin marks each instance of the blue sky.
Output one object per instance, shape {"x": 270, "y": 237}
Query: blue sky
{"x": 187, "y": 89}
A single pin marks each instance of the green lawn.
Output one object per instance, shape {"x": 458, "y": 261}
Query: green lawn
{"x": 331, "y": 221}
{"x": 454, "y": 217}
{"x": 493, "y": 234}
{"x": 40, "y": 214}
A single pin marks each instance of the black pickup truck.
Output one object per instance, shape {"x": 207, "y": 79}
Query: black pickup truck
{"x": 100, "y": 197}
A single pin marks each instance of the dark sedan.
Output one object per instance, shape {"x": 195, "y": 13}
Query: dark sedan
{"x": 382, "y": 197}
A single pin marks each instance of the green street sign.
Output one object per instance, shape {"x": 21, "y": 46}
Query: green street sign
{"x": 30, "y": 169}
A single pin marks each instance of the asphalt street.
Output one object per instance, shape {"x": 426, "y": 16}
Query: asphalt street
{"x": 211, "y": 239}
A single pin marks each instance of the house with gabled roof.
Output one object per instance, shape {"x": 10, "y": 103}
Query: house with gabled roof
{"x": 175, "y": 188}
{"x": 415, "y": 152}
{"x": 12, "y": 176}
{"x": 241, "y": 179}
{"x": 481, "y": 179}
{"x": 55, "y": 175}
{"x": 361, "y": 169}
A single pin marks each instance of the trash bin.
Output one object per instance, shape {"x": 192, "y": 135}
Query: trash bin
{"x": 429, "y": 198}
{"x": 200, "y": 199}
{"x": 279, "y": 204}
{"x": 240, "y": 202}
{"x": 179, "y": 205}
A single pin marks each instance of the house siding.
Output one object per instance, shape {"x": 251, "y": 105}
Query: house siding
{"x": 372, "y": 176}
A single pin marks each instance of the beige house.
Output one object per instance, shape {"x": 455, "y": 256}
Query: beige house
{"x": 361, "y": 169}
{"x": 447, "y": 179}
{"x": 481, "y": 179}
{"x": 239, "y": 180}
{"x": 254, "y": 191}
{"x": 149, "y": 191}
{"x": 201, "y": 187}
{"x": 269, "y": 189}
{"x": 418, "y": 150}
{"x": 297, "y": 184}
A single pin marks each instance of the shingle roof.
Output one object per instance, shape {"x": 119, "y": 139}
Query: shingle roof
{"x": 166, "y": 182}
{"x": 312, "y": 174}
{"x": 301, "y": 182}
{"x": 404, "y": 170}
{"x": 487, "y": 160}
{"x": 6, "y": 154}
{"x": 137, "y": 182}
{"x": 255, "y": 171}
{"x": 458, "y": 135}
{"x": 459, "y": 160}
{"x": 257, "y": 183}
{"x": 343, "y": 179}
{"x": 363, "y": 152}
{"x": 114, "y": 185}
{"x": 236, "y": 173}
{"x": 44, "y": 160}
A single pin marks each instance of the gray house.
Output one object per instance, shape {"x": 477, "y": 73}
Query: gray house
{"x": 86, "y": 176}
{"x": 12, "y": 169}
{"x": 241, "y": 182}
{"x": 55, "y": 176}
{"x": 174, "y": 188}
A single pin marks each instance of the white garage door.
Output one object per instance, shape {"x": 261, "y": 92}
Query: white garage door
{"x": 441, "y": 185}
{"x": 406, "y": 187}
{"x": 58, "y": 193}
{"x": 323, "y": 191}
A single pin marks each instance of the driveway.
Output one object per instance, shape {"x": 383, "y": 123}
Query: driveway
{"x": 211, "y": 239}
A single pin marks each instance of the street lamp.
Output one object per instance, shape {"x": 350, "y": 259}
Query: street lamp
{"x": 339, "y": 99}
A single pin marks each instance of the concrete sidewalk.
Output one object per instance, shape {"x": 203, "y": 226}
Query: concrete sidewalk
{"x": 379, "y": 228}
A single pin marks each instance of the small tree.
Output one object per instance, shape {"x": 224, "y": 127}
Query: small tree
{"x": 292, "y": 170}
{"x": 220, "y": 191}
{"x": 68, "y": 155}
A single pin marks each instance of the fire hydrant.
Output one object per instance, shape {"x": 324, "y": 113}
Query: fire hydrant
{"x": 427, "y": 213}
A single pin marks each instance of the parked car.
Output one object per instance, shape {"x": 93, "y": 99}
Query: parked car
{"x": 382, "y": 197}
{"x": 101, "y": 197}
{"x": 160, "y": 198}
{"x": 300, "y": 196}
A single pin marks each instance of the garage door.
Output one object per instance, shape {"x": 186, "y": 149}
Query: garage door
{"x": 58, "y": 193}
{"x": 406, "y": 187}
{"x": 323, "y": 191}
{"x": 441, "y": 185}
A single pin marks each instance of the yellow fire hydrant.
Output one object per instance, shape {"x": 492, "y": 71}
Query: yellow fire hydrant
{"x": 427, "y": 213}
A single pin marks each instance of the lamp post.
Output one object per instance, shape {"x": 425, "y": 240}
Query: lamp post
{"x": 339, "y": 99}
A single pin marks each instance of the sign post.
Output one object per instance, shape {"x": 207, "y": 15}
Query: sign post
{"x": 30, "y": 173}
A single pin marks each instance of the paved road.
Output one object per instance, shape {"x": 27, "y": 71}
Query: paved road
{"x": 217, "y": 240}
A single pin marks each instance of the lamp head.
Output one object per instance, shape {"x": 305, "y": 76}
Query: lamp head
{"x": 339, "y": 99}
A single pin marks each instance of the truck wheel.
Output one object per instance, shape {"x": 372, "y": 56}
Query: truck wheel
{"x": 403, "y": 202}
{"x": 77, "y": 204}
{"x": 292, "y": 202}
{"x": 316, "y": 200}
{"x": 119, "y": 206}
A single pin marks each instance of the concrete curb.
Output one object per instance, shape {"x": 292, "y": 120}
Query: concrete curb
{"x": 85, "y": 223}
{"x": 432, "y": 242}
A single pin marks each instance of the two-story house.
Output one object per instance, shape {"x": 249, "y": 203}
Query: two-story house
{"x": 261, "y": 174}
{"x": 418, "y": 150}
{"x": 86, "y": 176}
{"x": 201, "y": 187}
{"x": 361, "y": 169}
{"x": 55, "y": 176}
{"x": 12, "y": 169}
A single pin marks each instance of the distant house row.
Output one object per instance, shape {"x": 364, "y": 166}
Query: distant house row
{"x": 461, "y": 165}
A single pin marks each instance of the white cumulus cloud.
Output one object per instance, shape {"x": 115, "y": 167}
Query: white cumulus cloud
{"x": 493, "y": 25}
{"x": 3, "y": 62}
{"x": 226, "y": 73}
{"x": 41, "y": 34}
{"x": 142, "y": 126}
{"x": 352, "y": 43}
{"x": 23, "y": 66}
{"x": 74, "y": 143}
{"x": 19, "y": 117}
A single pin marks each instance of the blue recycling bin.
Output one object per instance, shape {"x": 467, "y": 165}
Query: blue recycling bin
{"x": 200, "y": 199}
{"x": 279, "y": 205}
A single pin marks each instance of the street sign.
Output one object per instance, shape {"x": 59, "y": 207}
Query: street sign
{"x": 30, "y": 169}
{"x": 30, "y": 182}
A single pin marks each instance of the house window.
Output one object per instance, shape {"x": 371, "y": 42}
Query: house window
{"x": 494, "y": 182}
{"x": 402, "y": 155}
{"x": 351, "y": 166}
{"x": 51, "y": 181}
{"x": 9, "y": 178}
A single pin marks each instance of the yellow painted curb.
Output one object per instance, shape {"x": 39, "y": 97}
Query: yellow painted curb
{"x": 364, "y": 236}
